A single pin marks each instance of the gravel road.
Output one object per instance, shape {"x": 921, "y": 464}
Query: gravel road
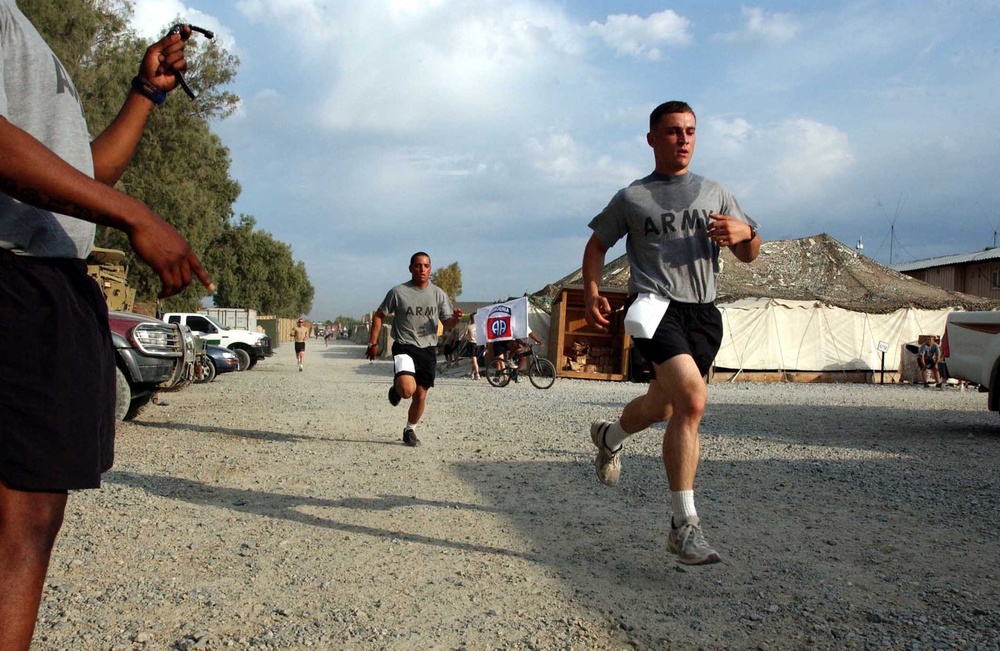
{"x": 274, "y": 509}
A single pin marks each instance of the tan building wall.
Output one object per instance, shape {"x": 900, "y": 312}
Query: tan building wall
{"x": 978, "y": 279}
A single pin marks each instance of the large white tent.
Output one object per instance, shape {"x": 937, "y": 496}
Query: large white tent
{"x": 814, "y": 305}
{"x": 787, "y": 335}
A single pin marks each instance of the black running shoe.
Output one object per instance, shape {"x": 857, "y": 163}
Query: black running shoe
{"x": 410, "y": 438}
{"x": 394, "y": 396}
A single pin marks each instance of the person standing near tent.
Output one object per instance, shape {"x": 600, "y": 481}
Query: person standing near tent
{"x": 418, "y": 306}
{"x": 57, "y": 394}
{"x": 929, "y": 358}
{"x": 675, "y": 223}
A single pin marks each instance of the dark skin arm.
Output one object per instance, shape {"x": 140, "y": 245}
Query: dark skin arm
{"x": 33, "y": 174}
{"x": 113, "y": 148}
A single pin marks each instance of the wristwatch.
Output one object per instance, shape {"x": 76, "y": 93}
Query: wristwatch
{"x": 753, "y": 233}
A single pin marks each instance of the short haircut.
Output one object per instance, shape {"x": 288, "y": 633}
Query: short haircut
{"x": 413, "y": 258}
{"x": 668, "y": 107}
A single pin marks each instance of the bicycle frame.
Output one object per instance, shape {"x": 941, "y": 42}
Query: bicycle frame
{"x": 541, "y": 372}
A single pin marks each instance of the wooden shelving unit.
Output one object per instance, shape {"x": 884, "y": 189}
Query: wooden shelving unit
{"x": 607, "y": 354}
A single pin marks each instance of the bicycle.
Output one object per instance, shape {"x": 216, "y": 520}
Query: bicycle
{"x": 541, "y": 372}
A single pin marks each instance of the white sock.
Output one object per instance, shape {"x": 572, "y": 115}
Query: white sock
{"x": 683, "y": 505}
{"x": 412, "y": 426}
{"x": 615, "y": 436}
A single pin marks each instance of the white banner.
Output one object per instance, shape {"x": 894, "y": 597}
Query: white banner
{"x": 502, "y": 321}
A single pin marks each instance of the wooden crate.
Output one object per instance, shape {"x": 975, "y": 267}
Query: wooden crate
{"x": 607, "y": 356}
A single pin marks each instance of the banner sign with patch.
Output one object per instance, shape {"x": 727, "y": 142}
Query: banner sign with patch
{"x": 502, "y": 321}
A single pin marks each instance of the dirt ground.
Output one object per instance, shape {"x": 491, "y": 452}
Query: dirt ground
{"x": 274, "y": 509}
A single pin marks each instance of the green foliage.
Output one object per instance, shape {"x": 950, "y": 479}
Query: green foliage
{"x": 74, "y": 28}
{"x": 256, "y": 271}
{"x": 449, "y": 279}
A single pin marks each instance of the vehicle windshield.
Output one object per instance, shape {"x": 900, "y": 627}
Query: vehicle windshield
{"x": 218, "y": 325}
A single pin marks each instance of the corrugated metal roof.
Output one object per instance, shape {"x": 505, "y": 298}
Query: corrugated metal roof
{"x": 946, "y": 260}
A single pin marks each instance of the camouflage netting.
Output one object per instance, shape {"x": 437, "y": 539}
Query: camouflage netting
{"x": 816, "y": 268}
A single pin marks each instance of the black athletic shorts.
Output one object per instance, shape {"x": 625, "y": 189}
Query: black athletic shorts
{"x": 693, "y": 329}
{"x": 299, "y": 347}
{"x": 57, "y": 376}
{"x": 418, "y": 362}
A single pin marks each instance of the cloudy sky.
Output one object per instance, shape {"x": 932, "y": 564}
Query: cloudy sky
{"x": 490, "y": 132}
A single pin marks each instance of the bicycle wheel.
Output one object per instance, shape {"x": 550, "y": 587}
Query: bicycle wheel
{"x": 498, "y": 377}
{"x": 542, "y": 373}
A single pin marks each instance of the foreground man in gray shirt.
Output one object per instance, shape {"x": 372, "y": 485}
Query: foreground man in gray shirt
{"x": 674, "y": 223}
{"x": 57, "y": 394}
{"x": 418, "y": 306}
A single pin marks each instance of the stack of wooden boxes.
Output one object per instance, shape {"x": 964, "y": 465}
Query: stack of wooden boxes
{"x": 582, "y": 351}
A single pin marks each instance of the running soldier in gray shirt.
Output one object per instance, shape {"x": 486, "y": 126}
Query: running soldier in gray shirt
{"x": 674, "y": 223}
{"x": 417, "y": 306}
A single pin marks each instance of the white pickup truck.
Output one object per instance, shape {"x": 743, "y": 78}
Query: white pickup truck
{"x": 249, "y": 347}
{"x": 971, "y": 350}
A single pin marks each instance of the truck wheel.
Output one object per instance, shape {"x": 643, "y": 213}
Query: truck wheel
{"x": 123, "y": 395}
{"x": 137, "y": 405}
{"x": 243, "y": 357}
{"x": 253, "y": 362}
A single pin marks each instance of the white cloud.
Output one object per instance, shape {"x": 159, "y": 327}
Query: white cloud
{"x": 808, "y": 154}
{"x": 408, "y": 67}
{"x": 789, "y": 161}
{"x": 557, "y": 156}
{"x": 642, "y": 37}
{"x": 152, "y": 17}
{"x": 760, "y": 28}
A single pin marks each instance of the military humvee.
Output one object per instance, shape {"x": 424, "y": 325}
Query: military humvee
{"x": 106, "y": 267}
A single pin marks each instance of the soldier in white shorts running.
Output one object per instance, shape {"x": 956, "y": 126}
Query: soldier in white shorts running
{"x": 418, "y": 305}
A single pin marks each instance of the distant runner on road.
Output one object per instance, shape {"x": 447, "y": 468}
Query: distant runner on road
{"x": 300, "y": 333}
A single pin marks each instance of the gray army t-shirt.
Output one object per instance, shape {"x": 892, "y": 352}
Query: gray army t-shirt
{"x": 417, "y": 313}
{"x": 665, "y": 220}
{"x": 37, "y": 96}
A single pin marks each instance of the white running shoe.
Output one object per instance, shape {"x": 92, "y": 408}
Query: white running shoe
{"x": 688, "y": 542}
{"x": 608, "y": 463}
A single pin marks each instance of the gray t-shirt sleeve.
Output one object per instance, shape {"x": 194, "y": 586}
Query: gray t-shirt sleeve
{"x": 610, "y": 224}
{"x": 389, "y": 303}
{"x": 445, "y": 310}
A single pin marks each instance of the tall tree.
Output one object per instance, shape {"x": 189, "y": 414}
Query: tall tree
{"x": 449, "y": 279}
{"x": 256, "y": 271}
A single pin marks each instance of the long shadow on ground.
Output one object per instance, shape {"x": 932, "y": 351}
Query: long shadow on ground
{"x": 850, "y": 525}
